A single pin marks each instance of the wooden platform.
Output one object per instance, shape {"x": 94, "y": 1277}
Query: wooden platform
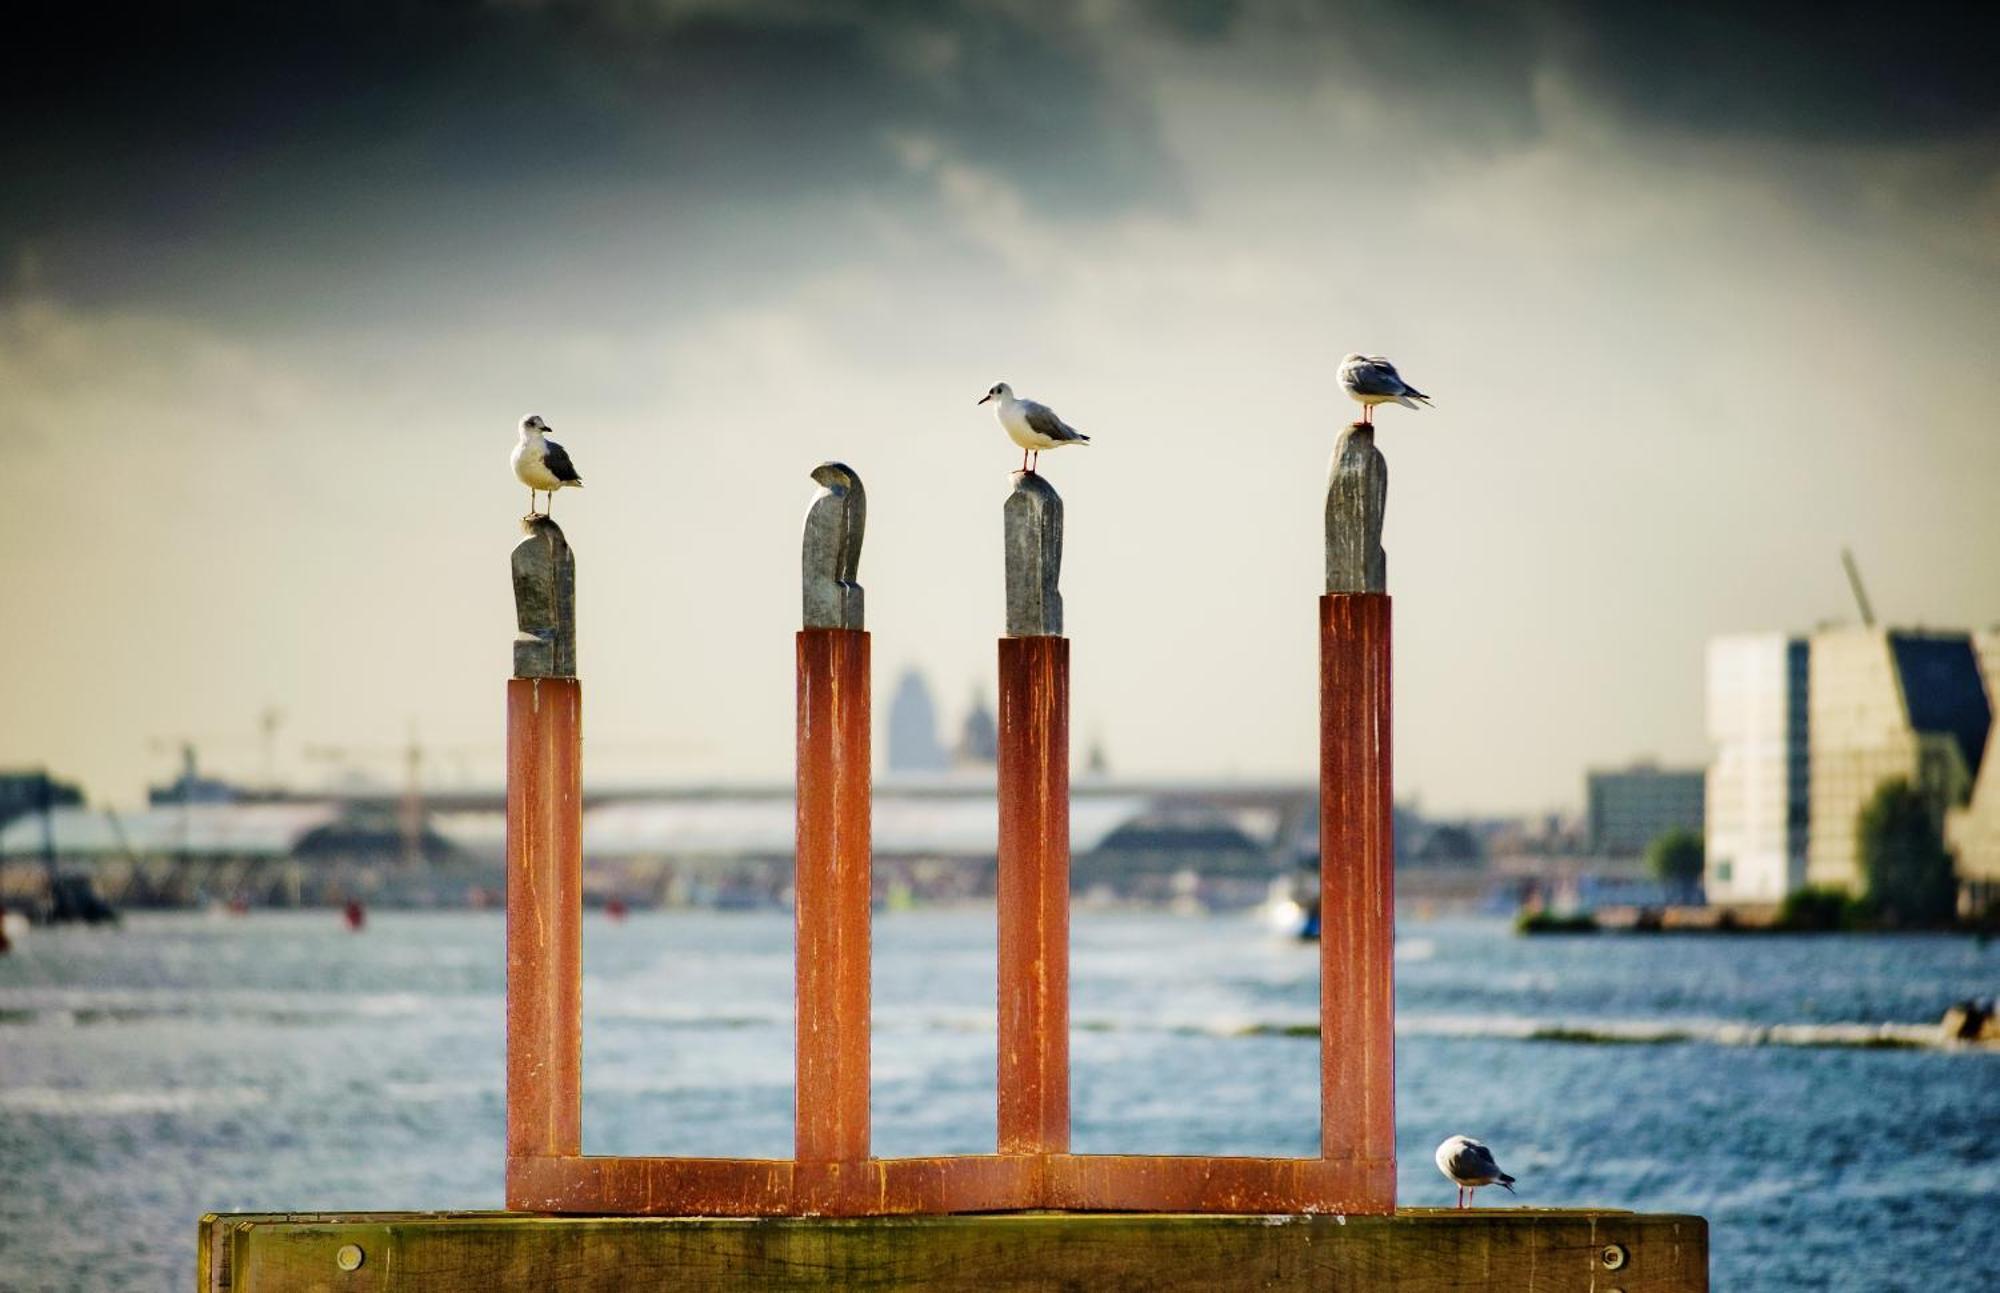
{"x": 1511, "y": 1249}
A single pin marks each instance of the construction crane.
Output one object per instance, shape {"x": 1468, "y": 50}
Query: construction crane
{"x": 1860, "y": 594}
{"x": 414, "y": 755}
{"x": 187, "y": 746}
{"x": 410, "y": 811}
{"x": 269, "y": 720}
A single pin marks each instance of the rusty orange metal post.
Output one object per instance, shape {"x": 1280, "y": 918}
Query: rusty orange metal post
{"x": 831, "y": 896}
{"x": 1357, "y": 891}
{"x": 544, "y": 918}
{"x": 1034, "y": 895}
{"x": 832, "y": 1173}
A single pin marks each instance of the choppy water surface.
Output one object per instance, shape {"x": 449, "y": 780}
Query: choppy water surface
{"x": 191, "y": 1064}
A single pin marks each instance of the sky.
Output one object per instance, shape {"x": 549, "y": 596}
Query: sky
{"x": 1702, "y": 293}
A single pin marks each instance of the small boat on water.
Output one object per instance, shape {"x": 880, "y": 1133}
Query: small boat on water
{"x": 73, "y": 900}
{"x": 1290, "y": 910}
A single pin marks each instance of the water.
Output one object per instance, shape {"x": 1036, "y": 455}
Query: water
{"x": 188, "y": 1064}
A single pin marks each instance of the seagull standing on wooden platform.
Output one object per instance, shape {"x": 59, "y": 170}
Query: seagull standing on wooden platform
{"x": 1371, "y": 379}
{"x": 1469, "y": 1165}
{"x": 541, "y": 464}
{"x": 1033, "y": 426}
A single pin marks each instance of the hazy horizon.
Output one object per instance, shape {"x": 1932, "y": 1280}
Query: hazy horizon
{"x": 1702, "y": 295}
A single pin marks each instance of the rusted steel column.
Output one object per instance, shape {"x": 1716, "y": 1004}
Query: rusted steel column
{"x": 544, "y": 917}
{"x": 831, "y": 886}
{"x": 1034, "y": 831}
{"x": 1034, "y": 895}
{"x": 1357, "y": 881}
{"x": 831, "y": 896}
{"x": 1357, "y": 847}
{"x": 544, "y": 855}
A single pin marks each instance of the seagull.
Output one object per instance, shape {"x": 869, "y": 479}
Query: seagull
{"x": 542, "y": 464}
{"x": 1470, "y": 1165}
{"x": 1033, "y": 426}
{"x": 1371, "y": 379}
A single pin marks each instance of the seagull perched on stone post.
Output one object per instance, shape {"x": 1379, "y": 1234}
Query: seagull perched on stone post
{"x": 1469, "y": 1165}
{"x": 1371, "y": 379}
{"x": 1033, "y": 426}
{"x": 541, "y": 464}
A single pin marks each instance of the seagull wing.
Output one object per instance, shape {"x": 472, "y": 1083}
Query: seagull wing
{"x": 556, "y": 458}
{"x": 1475, "y": 1162}
{"x": 1043, "y": 420}
{"x": 1374, "y": 375}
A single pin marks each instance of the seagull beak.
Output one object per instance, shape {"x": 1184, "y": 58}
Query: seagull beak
{"x": 985, "y": 397}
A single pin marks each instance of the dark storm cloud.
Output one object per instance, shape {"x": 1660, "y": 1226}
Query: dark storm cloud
{"x": 170, "y": 146}
{"x": 310, "y": 131}
{"x": 1844, "y": 71}
{"x": 1855, "y": 72}
{"x": 465, "y": 86}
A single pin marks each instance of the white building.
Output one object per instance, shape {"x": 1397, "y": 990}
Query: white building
{"x": 1758, "y": 806}
{"x": 1886, "y": 704}
{"x": 1973, "y": 831}
{"x": 1806, "y": 730}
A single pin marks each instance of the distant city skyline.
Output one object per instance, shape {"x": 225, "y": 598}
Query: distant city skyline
{"x": 276, "y": 286}
{"x": 919, "y": 737}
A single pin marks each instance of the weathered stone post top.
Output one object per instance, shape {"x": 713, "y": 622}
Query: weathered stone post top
{"x": 1033, "y": 516}
{"x": 1357, "y": 496}
{"x": 830, "y": 557}
{"x": 544, "y": 602}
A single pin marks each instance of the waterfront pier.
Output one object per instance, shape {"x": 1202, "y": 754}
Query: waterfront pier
{"x": 1031, "y": 1214}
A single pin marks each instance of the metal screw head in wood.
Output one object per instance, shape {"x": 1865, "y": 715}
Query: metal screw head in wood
{"x": 830, "y": 559}
{"x": 544, "y": 602}
{"x": 1033, "y": 517}
{"x": 1357, "y": 496}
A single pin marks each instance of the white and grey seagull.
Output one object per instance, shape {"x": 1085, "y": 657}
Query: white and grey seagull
{"x": 541, "y": 464}
{"x": 1469, "y": 1165}
{"x": 1033, "y": 426}
{"x": 1371, "y": 379}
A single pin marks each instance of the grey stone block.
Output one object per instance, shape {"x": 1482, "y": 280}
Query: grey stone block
{"x": 830, "y": 556}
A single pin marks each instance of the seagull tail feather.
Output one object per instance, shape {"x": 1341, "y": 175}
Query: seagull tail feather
{"x": 1419, "y": 397}
{"x": 1507, "y": 1183}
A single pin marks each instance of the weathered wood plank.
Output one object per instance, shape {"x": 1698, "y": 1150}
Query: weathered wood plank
{"x": 212, "y": 1239}
{"x": 1412, "y": 1252}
